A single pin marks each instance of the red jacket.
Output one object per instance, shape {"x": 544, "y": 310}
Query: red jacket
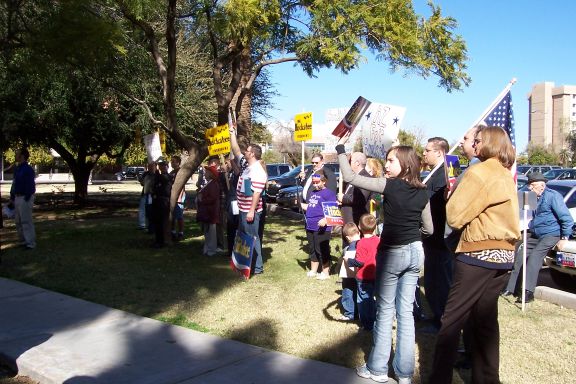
{"x": 366, "y": 254}
{"x": 208, "y": 203}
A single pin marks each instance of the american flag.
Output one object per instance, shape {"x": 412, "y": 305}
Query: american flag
{"x": 502, "y": 116}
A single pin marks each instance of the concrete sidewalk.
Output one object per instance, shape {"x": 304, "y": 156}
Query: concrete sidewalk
{"x": 54, "y": 338}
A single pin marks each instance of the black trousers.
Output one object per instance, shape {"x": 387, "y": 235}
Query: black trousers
{"x": 473, "y": 296}
{"x": 319, "y": 243}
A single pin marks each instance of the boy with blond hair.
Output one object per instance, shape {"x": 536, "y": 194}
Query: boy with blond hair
{"x": 365, "y": 260}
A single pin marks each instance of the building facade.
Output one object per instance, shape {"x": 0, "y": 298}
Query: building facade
{"x": 552, "y": 114}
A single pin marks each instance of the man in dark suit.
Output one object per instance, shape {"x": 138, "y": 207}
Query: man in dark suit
{"x": 355, "y": 201}
{"x": 306, "y": 178}
{"x": 438, "y": 259}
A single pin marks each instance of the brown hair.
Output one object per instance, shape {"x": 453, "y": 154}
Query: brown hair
{"x": 496, "y": 144}
{"x": 256, "y": 150}
{"x": 409, "y": 164}
{"x": 367, "y": 223}
{"x": 439, "y": 143}
{"x": 350, "y": 229}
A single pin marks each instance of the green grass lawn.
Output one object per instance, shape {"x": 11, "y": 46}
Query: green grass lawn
{"x": 97, "y": 254}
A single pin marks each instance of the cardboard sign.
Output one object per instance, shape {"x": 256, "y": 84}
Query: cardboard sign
{"x": 452, "y": 170}
{"x": 242, "y": 254}
{"x": 352, "y": 118}
{"x": 332, "y": 214}
{"x": 380, "y": 129}
{"x": 303, "y": 126}
{"x": 218, "y": 140}
{"x": 153, "y": 148}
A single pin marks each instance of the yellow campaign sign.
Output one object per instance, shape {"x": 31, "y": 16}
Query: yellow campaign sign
{"x": 303, "y": 126}
{"x": 162, "y": 140}
{"x": 218, "y": 140}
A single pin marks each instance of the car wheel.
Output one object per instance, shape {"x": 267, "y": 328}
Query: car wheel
{"x": 118, "y": 177}
{"x": 563, "y": 280}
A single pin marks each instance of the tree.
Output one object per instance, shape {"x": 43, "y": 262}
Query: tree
{"x": 411, "y": 139}
{"x": 246, "y": 36}
{"x": 260, "y": 133}
{"x": 539, "y": 155}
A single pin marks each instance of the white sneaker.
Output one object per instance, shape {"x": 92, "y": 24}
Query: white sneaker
{"x": 311, "y": 274}
{"x": 322, "y": 276}
{"x": 363, "y": 372}
{"x": 404, "y": 380}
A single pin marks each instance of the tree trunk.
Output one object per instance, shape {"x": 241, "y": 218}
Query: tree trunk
{"x": 81, "y": 173}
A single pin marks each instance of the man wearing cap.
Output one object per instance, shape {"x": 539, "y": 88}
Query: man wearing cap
{"x": 251, "y": 183}
{"x": 551, "y": 225}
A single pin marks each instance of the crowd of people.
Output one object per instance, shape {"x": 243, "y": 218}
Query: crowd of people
{"x": 463, "y": 238}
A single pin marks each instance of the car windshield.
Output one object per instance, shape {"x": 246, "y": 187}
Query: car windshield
{"x": 293, "y": 173}
{"x": 522, "y": 169}
{"x": 553, "y": 173}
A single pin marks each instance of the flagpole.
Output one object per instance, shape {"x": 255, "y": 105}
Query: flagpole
{"x": 478, "y": 121}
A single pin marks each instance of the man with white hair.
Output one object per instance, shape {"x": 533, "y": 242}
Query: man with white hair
{"x": 551, "y": 225}
{"x": 355, "y": 201}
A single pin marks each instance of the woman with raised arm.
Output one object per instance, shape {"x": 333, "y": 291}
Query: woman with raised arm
{"x": 399, "y": 259}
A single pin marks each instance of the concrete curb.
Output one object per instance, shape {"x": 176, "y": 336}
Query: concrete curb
{"x": 556, "y": 296}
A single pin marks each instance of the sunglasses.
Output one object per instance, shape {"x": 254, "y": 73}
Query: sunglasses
{"x": 314, "y": 162}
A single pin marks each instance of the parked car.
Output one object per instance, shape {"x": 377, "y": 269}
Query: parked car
{"x": 521, "y": 181}
{"x": 277, "y": 169}
{"x": 290, "y": 197}
{"x": 276, "y": 183}
{"x": 130, "y": 173}
{"x": 528, "y": 169}
{"x": 562, "y": 265}
{"x": 335, "y": 168}
{"x": 561, "y": 174}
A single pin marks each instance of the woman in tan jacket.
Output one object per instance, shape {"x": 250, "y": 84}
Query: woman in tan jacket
{"x": 485, "y": 207}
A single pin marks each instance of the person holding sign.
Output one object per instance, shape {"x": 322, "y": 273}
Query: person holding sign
{"x": 399, "y": 257}
{"x": 251, "y": 183}
{"x": 318, "y": 231}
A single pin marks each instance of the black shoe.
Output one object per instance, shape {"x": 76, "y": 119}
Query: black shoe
{"x": 506, "y": 293}
{"x": 529, "y": 297}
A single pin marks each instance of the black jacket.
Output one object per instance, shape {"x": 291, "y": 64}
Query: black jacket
{"x": 330, "y": 177}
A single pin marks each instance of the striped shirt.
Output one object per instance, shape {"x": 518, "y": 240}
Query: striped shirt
{"x": 253, "y": 179}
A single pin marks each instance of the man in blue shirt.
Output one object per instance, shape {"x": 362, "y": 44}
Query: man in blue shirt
{"x": 22, "y": 194}
{"x": 551, "y": 224}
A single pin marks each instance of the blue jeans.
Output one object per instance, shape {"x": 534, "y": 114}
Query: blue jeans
{"x": 348, "y": 300}
{"x": 397, "y": 271}
{"x": 142, "y": 212}
{"x": 366, "y": 304}
{"x": 252, "y": 230}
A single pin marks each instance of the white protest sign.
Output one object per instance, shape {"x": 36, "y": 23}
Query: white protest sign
{"x": 380, "y": 128}
{"x": 153, "y": 148}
